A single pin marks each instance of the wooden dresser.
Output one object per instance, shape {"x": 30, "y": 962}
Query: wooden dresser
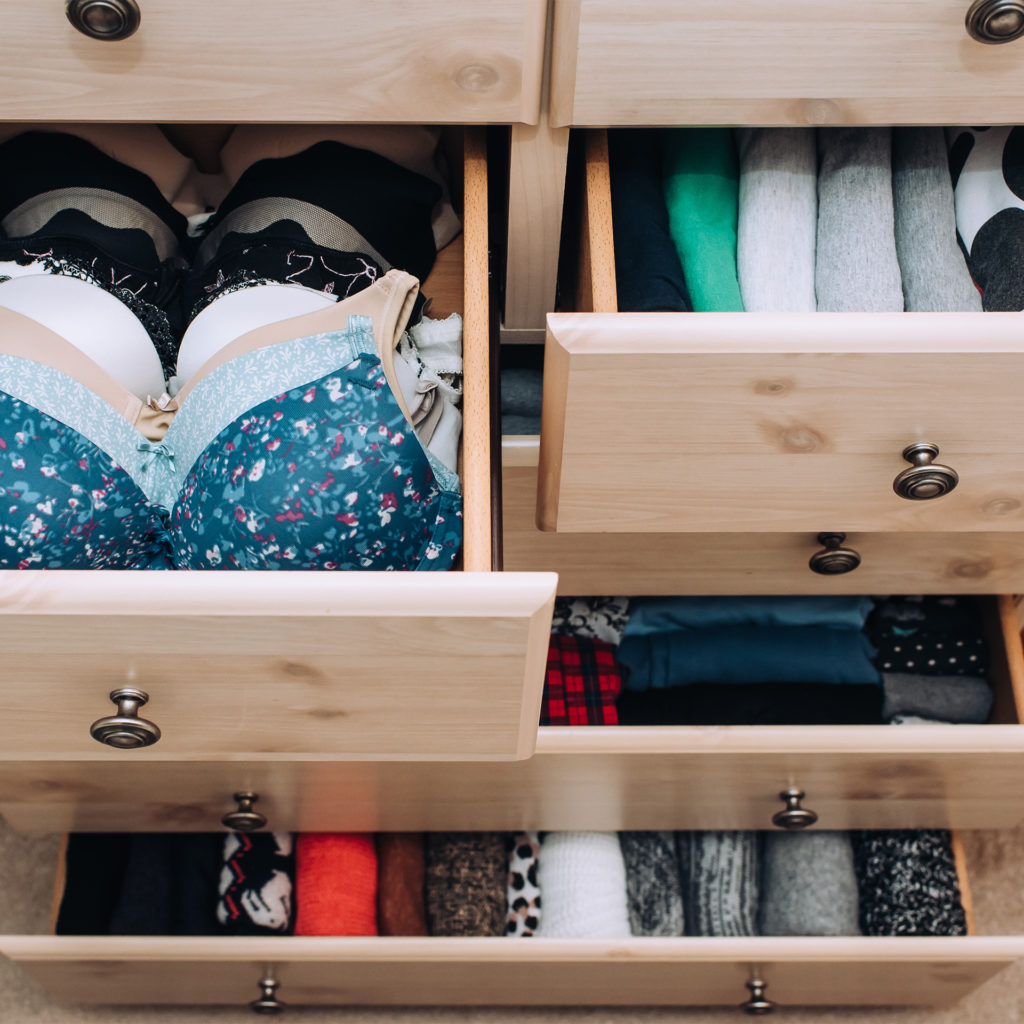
{"x": 406, "y": 702}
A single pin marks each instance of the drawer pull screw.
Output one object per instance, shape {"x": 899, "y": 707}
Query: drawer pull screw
{"x": 126, "y": 730}
{"x": 926, "y": 478}
{"x": 794, "y": 817}
{"x": 267, "y": 1003}
{"x": 995, "y": 21}
{"x": 834, "y": 560}
{"x": 757, "y": 1005}
{"x": 104, "y": 19}
{"x": 245, "y": 819}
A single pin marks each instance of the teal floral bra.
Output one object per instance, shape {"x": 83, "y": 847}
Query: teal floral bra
{"x": 292, "y": 456}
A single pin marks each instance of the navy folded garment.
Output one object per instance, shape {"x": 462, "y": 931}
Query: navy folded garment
{"x": 754, "y": 704}
{"x": 748, "y": 654}
{"x": 665, "y": 614}
{"x": 648, "y": 274}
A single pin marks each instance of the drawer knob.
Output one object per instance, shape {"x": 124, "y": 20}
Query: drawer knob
{"x": 757, "y": 1005}
{"x": 926, "y": 479}
{"x": 244, "y": 819}
{"x": 833, "y": 559}
{"x": 126, "y": 730}
{"x": 267, "y": 1003}
{"x": 995, "y": 21}
{"x": 794, "y": 817}
{"x": 104, "y": 19}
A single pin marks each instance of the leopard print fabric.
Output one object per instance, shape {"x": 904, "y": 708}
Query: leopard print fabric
{"x": 523, "y": 891}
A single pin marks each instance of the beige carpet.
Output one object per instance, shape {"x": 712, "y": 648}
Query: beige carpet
{"x": 996, "y": 862}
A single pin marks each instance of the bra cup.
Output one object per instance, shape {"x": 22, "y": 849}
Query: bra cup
{"x": 325, "y": 476}
{"x": 65, "y": 503}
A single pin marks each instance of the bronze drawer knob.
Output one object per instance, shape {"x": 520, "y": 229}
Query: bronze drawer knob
{"x": 833, "y": 559}
{"x": 104, "y": 19}
{"x": 995, "y": 21}
{"x": 926, "y": 479}
{"x": 267, "y": 1003}
{"x": 794, "y": 817}
{"x": 126, "y": 730}
{"x": 244, "y": 819}
{"x": 757, "y": 1005}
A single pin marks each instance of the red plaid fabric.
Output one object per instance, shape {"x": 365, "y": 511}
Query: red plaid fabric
{"x": 582, "y": 683}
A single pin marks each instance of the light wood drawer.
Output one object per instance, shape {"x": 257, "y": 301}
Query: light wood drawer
{"x": 763, "y": 62}
{"x": 502, "y": 971}
{"x": 743, "y": 563}
{"x": 240, "y": 60}
{"x": 604, "y": 778}
{"x": 265, "y": 664}
{"x": 778, "y": 423}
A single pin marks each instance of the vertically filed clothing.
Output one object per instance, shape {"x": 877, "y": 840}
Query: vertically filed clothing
{"x": 653, "y": 886}
{"x": 721, "y": 879}
{"x": 335, "y": 884}
{"x": 932, "y": 266}
{"x": 94, "y": 866}
{"x": 401, "y": 881}
{"x": 524, "y": 896}
{"x": 466, "y": 883}
{"x": 701, "y": 181}
{"x": 856, "y": 269}
{"x": 778, "y": 219}
{"x": 582, "y": 682}
{"x": 583, "y": 883}
{"x": 809, "y": 886}
{"x": 908, "y": 883}
{"x": 257, "y": 883}
{"x": 648, "y": 274}
{"x": 987, "y": 167}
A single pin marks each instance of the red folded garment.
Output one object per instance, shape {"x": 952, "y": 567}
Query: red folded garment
{"x": 335, "y": 884}
{"x": 583, "y": 681}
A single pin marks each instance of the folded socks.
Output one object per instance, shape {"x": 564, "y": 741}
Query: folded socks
{"x": 653, "y": 888}
{"x": 336, "y": 884}
{"x": 524, "y": 902}
{"x": 256, "y": 888}
{"x": 466, "y": 883}
{"x": 809, "y": 884}
{"x": 401, "y": 868}
{"x": 721, "y": 873}
{"x": 944, "y": 698}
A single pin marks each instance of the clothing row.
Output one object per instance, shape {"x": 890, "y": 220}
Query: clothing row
{"x": 251, "y": 387}
{"x": 837, "y": 219}
{"x": 767, "y": 661}
{"x": 553, "y": 884}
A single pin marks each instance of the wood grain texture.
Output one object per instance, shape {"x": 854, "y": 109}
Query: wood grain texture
{"x": 778, "y": 422}
{"x": 756, "y": 62}
{"x": 496, "y": 971}
{"x": 241, "y": 61}
{"x": 742, "y": 563}
{"x": 596, "y": 292}
{"x": 963, "y": 880}
{"x": 259, "y": 663}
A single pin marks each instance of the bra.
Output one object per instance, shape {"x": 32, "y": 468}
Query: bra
{"x": 288, "y": 450}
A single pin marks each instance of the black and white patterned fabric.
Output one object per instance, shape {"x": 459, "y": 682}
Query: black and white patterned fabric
{"x": 987, "y": 167}
{"x": 598, "y": 618}
{"x": 524, "y": 908}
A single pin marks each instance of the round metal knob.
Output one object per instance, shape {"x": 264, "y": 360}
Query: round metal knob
{"x": 104, "y": 19}
{"x": 925, "y": 479}
{"x": 834, "y": 559}
{"x": 794, "y": 817}
{"x": 245, "y": 819}
{"x": 995, "y": 21}
{"x": 757, "y": 1005}
{"x": 266, "y": 1002}
{"x": 126, "y": 730}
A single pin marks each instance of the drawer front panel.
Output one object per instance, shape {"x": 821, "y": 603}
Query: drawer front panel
{"x": 759, "y": 62}
{"x": 774, "y": 422}
{"x": 261, "y": 664}
{"x": 743, "y": 563}
{"x": 239, "y": 60}
{"x": 497, "y": 971}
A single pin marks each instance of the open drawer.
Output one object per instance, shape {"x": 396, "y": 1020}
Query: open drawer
{"x": 263, "y": 664}
{"x": 600, "y": 778}
{"x": 792, "y": 62}
{"x": 251, "y": 60}
{"x": 506, "y": 971}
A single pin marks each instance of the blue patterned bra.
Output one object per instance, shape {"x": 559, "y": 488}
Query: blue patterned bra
{"x": 291, "y": 456}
